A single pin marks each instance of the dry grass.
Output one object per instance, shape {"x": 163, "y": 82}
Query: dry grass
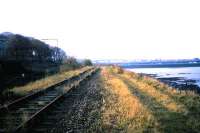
{"x": 164, "y": 99}
{"x": 133, "y": 103}
{"x": 172, "y": 111}
{"x": 122, "y": 111}
{"x": 46, "y": 82}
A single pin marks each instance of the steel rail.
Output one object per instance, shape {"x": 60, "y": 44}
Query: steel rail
{"x": 76, "y": 81}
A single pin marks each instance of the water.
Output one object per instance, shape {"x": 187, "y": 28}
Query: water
{"x": 192, "y": 73}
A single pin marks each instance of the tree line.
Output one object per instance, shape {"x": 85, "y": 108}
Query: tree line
{"x": 26, "y": 55}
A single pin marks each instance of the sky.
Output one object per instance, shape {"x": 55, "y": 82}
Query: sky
{"x": 109, "y": 29}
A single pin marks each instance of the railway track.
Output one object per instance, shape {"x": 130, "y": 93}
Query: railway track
{"x": 23, "y": 113}
{"x": 72, "y": 113}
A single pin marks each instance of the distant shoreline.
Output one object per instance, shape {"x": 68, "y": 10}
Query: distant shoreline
{"x": 159, "y": 65}
{"x": 180, "y": 83}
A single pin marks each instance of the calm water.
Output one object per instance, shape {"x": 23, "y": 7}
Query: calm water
{"x": 185, "y": 72}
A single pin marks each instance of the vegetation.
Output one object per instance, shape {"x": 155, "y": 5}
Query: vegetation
{"x": 135, "y": 103}
{"x": 117, "y": 100}
{"x": 122, "y": 111}
{"x": 71, "y": 63}
{"x": 25, "y": 59}
{"x": 129, "y": 102}
{"x": 41, "y": 83}
{"x": 27, "y": 49}
{"x": 87, "y": 62}
{"x": 28, "y": 64}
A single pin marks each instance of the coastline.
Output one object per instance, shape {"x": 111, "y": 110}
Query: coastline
{"x": 180, "y": 83}
{"x": 157, "y": 107}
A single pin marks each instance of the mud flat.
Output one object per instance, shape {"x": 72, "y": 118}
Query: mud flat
{"x": 180, "y": 83}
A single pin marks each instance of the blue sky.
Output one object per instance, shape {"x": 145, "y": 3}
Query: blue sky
{"x": 109, "y": 29}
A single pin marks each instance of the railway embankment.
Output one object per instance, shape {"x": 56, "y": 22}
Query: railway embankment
{"x": 116, "y": 100}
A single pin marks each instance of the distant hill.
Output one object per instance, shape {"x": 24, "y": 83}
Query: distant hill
{"x": 151, "y": 63}
{"x": 168, "y": 63}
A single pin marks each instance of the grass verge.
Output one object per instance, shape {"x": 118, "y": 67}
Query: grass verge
{"x": 122, "y": 111}
{"x": 135, "y": 103}
{"x": 40, "y": 84}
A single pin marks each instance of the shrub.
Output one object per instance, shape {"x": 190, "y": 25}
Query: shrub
{"x": 87, "y": 62}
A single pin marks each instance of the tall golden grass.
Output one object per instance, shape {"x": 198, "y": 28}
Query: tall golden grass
{"x": 122, "y": 111}
{"x": 168, "y": 109}
{"x": 46, "y": 82}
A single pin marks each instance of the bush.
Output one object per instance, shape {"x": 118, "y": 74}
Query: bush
{"x": 87, "y": 62}
{"x": 71, "y": 62}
